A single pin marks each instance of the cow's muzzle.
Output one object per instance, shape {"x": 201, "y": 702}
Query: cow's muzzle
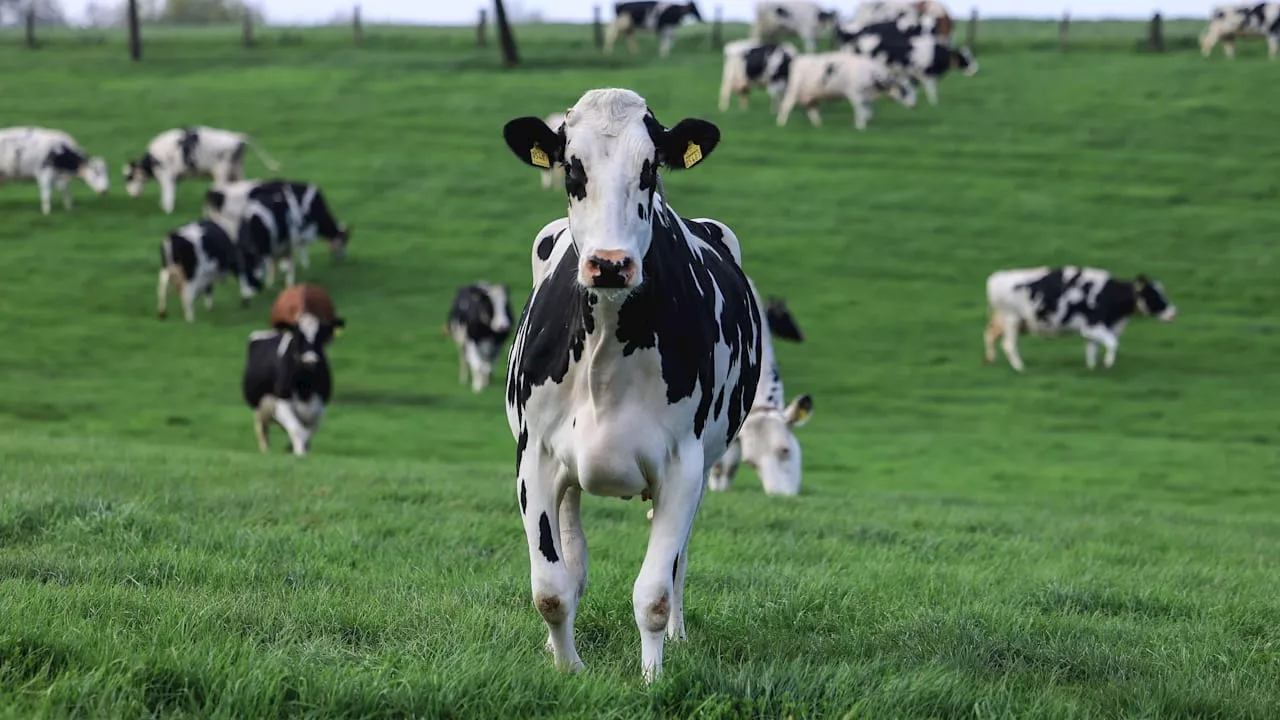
{"x": 1170, "y": 314}
{"x": 609, "y": 269}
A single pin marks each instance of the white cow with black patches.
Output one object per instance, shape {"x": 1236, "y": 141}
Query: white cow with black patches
{"x": 802, "y": 18}
{"x": 634, "y": 361}
{"x": 922, "y": 57}
{"x": 50, "y": 158}
{"x": 660, "y": 17}
{"x": 479, "y": 322}
{"x": 191, "y": 152}
{"x": 1234, "y": 20}
{"x": 831, "y": 75}
{"x": 749, "y": 64}
{"x": 1049, "y": 301}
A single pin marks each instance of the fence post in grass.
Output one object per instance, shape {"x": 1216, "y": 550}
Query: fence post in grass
{"x": 1157, "y": 33}
{"x": 716, "y": 39}
{"x": 31, "y": 26}
{"x": 972, "y": 32}
{"x": 510, "y": 56}
{"x": 135, "y": 42}
{"x": 1063, "y": 28}
{"x": 597, "y": 28}
{"x": 356, "y": 26}
{"x": 480, "y": 33}
{"x": 247, "y": 34}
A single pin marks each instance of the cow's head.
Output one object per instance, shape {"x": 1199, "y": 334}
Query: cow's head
{"x": 963, "y": 60}
{"x": 338, "y": 243}
{"x": 1152, "y": 299}
{"x": 309, "y": 336}
{"x": 691, "y": 10}
{"x": 610, "y": 147}
{"x": 137, "y": 172}
{"x": 769, "y": 445}
{"x": 94, "y": 173}
{"x": 498, "y": 315}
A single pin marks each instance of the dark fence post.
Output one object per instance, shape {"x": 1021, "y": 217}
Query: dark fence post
{"x": 248, "y": 27}
{"x": 480, "y": 34}
{"x": 31, "y": 26}
{"x": 597, "y": 27}
{"x": 510, "y": 57}
{"x": 1157, "y": 33}
{"x": 716, "y": 39}
{"x": 135, "y": 42}
{"x": 1063, "y": 28}
{"x": 972, "y": 32}
{"x": 357, "y": 26}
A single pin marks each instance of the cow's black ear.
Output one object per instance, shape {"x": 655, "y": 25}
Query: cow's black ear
{"x": 1142, "y": 280}
{"x": 688, "y": 143}
{"x": 533, "y": 142}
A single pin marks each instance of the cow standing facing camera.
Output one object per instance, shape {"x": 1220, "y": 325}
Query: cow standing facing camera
{"x": 479, "y": 322}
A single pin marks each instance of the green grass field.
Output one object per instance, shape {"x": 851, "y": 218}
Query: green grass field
{"x": 968, "y": 543}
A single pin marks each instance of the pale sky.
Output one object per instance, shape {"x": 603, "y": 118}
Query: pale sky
{"x": 302, "y": 12}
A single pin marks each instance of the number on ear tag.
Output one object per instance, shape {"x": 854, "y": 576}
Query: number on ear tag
{"x": 538, "y": 157}
{"x": 692, "y": 155}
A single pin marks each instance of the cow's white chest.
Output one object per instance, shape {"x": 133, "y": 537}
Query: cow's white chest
{"x": 309, "y": 411}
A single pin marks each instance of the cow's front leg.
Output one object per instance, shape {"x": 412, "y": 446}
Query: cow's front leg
{"x": 861, "y": 111}
{"x": 555, "y": 587}
{"x": 815, "y": 118}
{"x": 1229, "y": 48}
{"x": 168, "y": 190}
{"x": 189, "y": 291}
{"x": 656, "y": 602}
{"x": 989, "y": 336}
{"x": 304, "y": 256}
{"x": 574, "y": 542}
{"x": 665, "y": 40}
{"x": 162, "y": 293}
{"x": 290, "y": 272}
{"x": 1102, "y": 334}
{"x": 1273, "y": 46}
{"x": 784, "y": 110}
{"x": 64, "y": 189}
{"x": 930, "y": 89}
{"x": 45, "y": 181}
{"x": 208, "y": 296}
{"x": 1091, "y": 354}
{"x": 299, "y": 434}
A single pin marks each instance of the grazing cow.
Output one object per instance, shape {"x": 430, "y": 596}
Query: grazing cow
{"x": 801, "y": 18}
{"x": 634, "y": 361}
{"x": 479, "y": 322}
{"x": 191, "y": 152}
{"x": 549, "y": 177}
{"x": 287, "y": 378}
{"x": 749, "y": 64}
{"x": 1049, "y": 301}
{"x": 923, "y": 58}
{"x": 1241, "y": 19}
{"x": 842, "y": 75}
{"x": 197, "y": 256}
{"x": 927, "y": 14}
{"x": 294, "y": 302}
{"x": 660, "y": 17}
{"x": 278, "y": 218}
{"x": 51, "y": 158}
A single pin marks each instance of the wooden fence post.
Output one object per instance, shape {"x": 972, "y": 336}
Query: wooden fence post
{"x": 506, "y": 38}
{"x": 135, "y": 42}
{"x": 31, "y": 26}
{"x": 1063, "y": 28}
{"x": 480, "y": 33}
{"x": 1157, "y": 33}
{"x": 597, "y": 27}
{"x": 248, "y": 27}
{"x": 972, "y": 32}
{"x": 357, "y": 26}
{"x": 716, "y": 38}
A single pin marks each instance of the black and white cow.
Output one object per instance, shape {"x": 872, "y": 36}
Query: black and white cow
{"x": 196, "y": 257}
{"x": 661, "y": 17}
{"x": 830, "y": 75}
{"x": 929, "y": 16}
{"x": 635, "y": 359}
{"x": 278, "y": 219}
{"x": 1236, "y": 19}
{"x": 191, "y": 152}
{"x": 922, "y": 57}
{"x": 749, "y": 64}
{"x": 1049, "y": 301}
{"x": 287, "y": 379}
{"x": 804, "y": 19}
{"x": 51, "y": 158}
{"x": 479, "y": 322}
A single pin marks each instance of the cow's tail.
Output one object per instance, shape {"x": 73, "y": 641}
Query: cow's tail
{"x": 266, "y": 159}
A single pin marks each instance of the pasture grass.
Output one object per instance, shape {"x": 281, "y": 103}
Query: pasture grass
{"x": 969, "y": 543}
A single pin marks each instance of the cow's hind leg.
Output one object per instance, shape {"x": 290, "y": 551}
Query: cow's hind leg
{"x": 555, "y": 586}
{"x": 262, "y": 420}
{"x": 162, "y": 292}
{"x": 993, "y": 332}
{"x": 188, "y": 291}
{"x": 1102, "y": 334}
{"x": 64, "y": 189}
{"x": 1010, "y": 342}
{"x": 655, "y": 598}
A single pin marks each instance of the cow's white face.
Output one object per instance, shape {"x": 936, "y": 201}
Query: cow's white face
{"x": 610, "y": 147}
{"x": 500, "y": 320}
{"x": 95, "y": 175}
{"x": 770, "y": 446}
{"x": 136, "y": 174}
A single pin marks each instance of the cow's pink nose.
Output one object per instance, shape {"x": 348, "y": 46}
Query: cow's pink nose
{"x": 609, "y": 269}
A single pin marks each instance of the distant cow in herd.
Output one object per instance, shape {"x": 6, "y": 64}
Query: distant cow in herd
{"x": 1234, "y": 20}
{"x": 839, "y": 74}
{"x": 191, "y": 152}
{"x": 50, "y": 158}
{"x": 195, "y": 258}
{"x": 1050, "y": 301}
{"x": 634, "y": 363}
{"x": 920, "y": 56}
{"x": 479, "y": 322}
{"x": 750, "y": 64}
{"x": 659, "y": 17}
{"x": 803, "y": 19}
{"x": 930, "y": 15}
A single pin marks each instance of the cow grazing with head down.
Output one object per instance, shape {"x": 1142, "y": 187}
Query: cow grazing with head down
{"x": 661, "y": 17}
{"x": 50, "y": 158}
{"x": 804, "y": 19}
{"x": 191, "y": 152}
{"x": 479, "y": 322}
{"x": 287, "y": 378}
{"x": 831, "y": 75}
{"x": 279, "y": 219}
{"x": 1049, "y": 301}
{"x": 749, "y": 64}
{"x": 195, "y": 258}
{"x": 921, "y": 57}
{"x": 1242, "y": 19}
{"x": 635, "y": 359}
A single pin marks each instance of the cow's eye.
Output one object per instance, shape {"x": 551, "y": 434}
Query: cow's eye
{"x": 784, "y": 452}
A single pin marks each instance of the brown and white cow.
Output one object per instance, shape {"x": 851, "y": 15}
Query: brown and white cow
{"x": 294, "y": 302}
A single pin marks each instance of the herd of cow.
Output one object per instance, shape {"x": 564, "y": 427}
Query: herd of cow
{"x": 642, "y": 364}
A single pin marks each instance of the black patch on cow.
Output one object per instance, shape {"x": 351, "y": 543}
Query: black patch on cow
{"x": 575, "y": 179}
{"x": 675, "y": 568}
{"x": 524, "y": 497}
{"x": 546, "y": 543}
{"x": 545, "y": 246}
{"x": 782, "y": 12}
{"x": 671, "y": 15}
{"x": 522, "y": 442}
{"x": 648, "y": 176}
{"x": 637, "y": 11}
{"x": 831, "y": 70}
{"x": 65, "y": 158}
{"x": 719, "y": 402}
{"x": 231, "y": 258}
{"x": 267, "y": 371}
{"x": 215, "y": 199}
{"x": 1115, "y": 300}
{"x": 943, "y": 57}
{"x": 147, "y": 165}
{"x": 640, "y": 210}
{"x": 783, "y": 70}
{"x": 188, "y": 142}
{"x": 274, "y": 198}
{"x": 1155, "y": 300}
{"x": 757, "y": 58}
{"x": 473, "y": 310}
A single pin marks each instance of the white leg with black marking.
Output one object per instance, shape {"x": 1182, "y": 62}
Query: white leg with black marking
{"x": 574, "y": 542}
{"x": 554, "y": 584}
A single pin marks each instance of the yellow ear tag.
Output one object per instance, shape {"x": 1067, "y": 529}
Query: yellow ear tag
{"x": 801, "y": 414}
{"x": 538, "y": 157}
{"x": 692, "y": 155}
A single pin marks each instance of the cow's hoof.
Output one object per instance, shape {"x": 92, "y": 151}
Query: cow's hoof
{"x": 162, "y": 314}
